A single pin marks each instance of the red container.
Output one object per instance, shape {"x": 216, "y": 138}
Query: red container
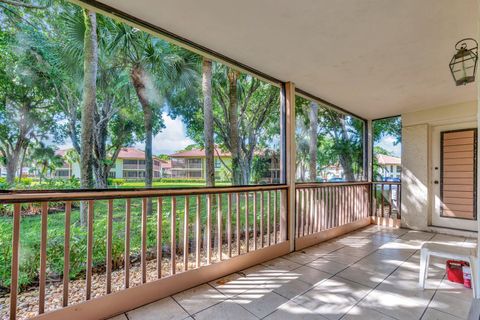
{"x": 454, "y": 270}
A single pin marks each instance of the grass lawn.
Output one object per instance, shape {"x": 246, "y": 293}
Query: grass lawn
{"x": 31, "y": 229}
{"x": 175, "y": 185}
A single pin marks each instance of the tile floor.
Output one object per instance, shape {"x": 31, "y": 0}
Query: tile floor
{"x": 369, "y": 274}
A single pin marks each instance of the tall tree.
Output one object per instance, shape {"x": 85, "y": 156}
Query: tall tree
{"x": 90, "y": 64}
{"x": 25, "y": 101}
{"x": 208, "y": 122}
{"x": 313, "y": 144}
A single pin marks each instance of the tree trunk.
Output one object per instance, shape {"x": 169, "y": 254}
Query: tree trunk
{"x": 345, "y": 158}
{"x": 313, "y": 115}
{"x": 234, "y": 129}
{"x": 208, "y": 122}
{"x": 139, "y": 80}
{"x": 90, "y": 63}
{"x": 11, "y": 167}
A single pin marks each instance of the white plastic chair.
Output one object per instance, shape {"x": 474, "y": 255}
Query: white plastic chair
{"x": 452, "y": 252}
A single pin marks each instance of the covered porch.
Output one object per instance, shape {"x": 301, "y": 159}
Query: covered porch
{"x": 294, "y": 249}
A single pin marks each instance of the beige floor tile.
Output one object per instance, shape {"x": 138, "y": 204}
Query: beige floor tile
{"x": 405, "y": 306}
{"x": 333, "y": 297}
{"x": 310, "y": 275}
{"x": 341, "y": 258}
{"x": 260, "y": 303}
{"x": 362, "y": 313}
{"x": 292, "y": 288}
{"x": 199, "y": 298}
{"x": 235, "y": 283}
{"x": 445, "y": 299}
{"x": 281, "y": 264}
{"x": 328, "y": 266}
{"x": 432, "y": 314}
{"x": 300, "y": 257}
{"x": 225, "y": 310}
{"x": 293, "y": 311}
{"x": 165, "y": 309}
{"x": 119, "y": 317}
{"x": 369, "y": 278}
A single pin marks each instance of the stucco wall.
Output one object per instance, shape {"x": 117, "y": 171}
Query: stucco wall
{"x": 415, "y": 179}
{"x": 417, "y": 184}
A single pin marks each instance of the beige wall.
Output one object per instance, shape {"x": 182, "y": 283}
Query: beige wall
{"x": 418, "y": 189}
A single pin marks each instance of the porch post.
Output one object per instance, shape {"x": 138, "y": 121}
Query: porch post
{"x": 369, "y": 162}
{"x": 290, "y": 158}
{"x": 369, "y": 151}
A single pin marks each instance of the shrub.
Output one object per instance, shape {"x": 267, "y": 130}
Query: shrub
{"x": 116, "y": 182}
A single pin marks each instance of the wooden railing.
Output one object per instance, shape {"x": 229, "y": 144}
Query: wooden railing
{"x": 387, "y": 199}
{"x": 323, "y": 206}
{"x": 146, "y": 235}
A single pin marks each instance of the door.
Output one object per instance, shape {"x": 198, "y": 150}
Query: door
{"x": 454, "y": 177}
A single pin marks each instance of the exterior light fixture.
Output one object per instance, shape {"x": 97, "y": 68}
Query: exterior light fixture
{"x": 463, "y": 65}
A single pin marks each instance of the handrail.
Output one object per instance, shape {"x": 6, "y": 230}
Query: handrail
{"x": 303, "y": 185}
{"x": 103, "y": 194}
{"x": 387, "y": 182}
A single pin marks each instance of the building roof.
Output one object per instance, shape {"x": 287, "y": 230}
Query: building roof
{"x": 383, "y": 159}
{"x": 125, "y": 153}
{"x": 166, "y": 164}
{"x": 196, "y": 153}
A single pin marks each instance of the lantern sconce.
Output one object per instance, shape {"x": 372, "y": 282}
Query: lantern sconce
{"x": 463, "y": 65}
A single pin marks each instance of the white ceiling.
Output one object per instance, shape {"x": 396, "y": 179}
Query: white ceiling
{"x": 375, "y": 58}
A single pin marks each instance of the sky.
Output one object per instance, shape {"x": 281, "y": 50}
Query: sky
{"x": 173, "y": 138}
{"x": 387, "y": 143}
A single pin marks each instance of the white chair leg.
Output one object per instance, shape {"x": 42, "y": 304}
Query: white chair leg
{"x": 475, "y": 277}
{"x": 424, "y": 261}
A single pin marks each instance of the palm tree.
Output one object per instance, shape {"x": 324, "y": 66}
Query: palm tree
{"x": 208, "y": 121}
{"x": 155, "y": 67}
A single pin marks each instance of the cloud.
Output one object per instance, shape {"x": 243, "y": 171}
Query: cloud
{"x": 171, "y": 139}
{"x": 387, "y": 143}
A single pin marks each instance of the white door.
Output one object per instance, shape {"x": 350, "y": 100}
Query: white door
{"x": 454, "y": 176}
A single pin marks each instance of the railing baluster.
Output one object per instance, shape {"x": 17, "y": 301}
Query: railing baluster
{"x": 143, "y": 250}
{"x": 185, "y": 233}
{"x": 247, "y": 236}
{"x": 15, "y": 258}
{"x": 209, "y": 228}
{"x": 173, "y": 236}
{"x": 268, "y": 219}
{"x": 381, "y": 199}
{"x": 66, "y": 253}
{"x": 43, "y": 259}
{"x": 283, "y": 215}
{"x": 237, "y": 222}
{"x": 298, "y": 212}
{"x": 108, "y": 270}
{"x": 275, "y": 217}
{"x": 159, "y": 236}
{"x": 390, "y": 200}
{"x": 307, "y": 212}
{"x": 255, "y": 220}
{"x": 127, "y": 243}
{"x": 198, "y": 235}
{"x": 229, "y": 225}
{"x": 262, "y": 212}
{"x": 89, "y": 250}
{"x": 219, "y": 226}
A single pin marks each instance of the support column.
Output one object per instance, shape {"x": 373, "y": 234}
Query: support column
{"x": 290, "y": 156}
{"x": 369, "y": 151}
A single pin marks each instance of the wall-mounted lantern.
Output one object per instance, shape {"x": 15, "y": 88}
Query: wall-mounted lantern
{"x": 464, "y": 63}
